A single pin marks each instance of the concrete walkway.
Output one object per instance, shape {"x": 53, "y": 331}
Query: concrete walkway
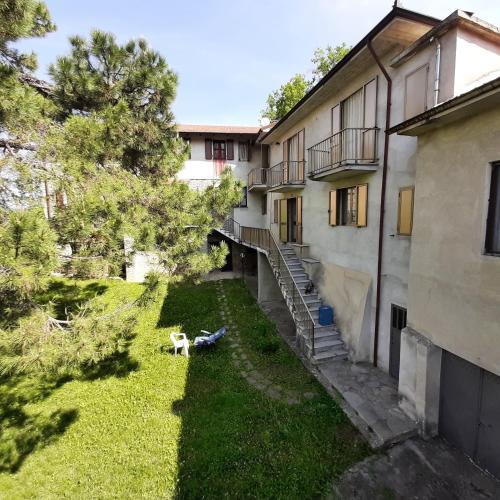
{"x": 417, "y": 469}
{"x": 370, "y": 399}
{"x": 367, "y": 395}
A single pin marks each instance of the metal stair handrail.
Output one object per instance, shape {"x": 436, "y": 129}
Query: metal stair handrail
{"x": 265, "y": 240}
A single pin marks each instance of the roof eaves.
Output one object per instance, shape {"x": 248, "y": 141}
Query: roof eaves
{"x": 395, "y": 12}
{"x": 458, "y": 17}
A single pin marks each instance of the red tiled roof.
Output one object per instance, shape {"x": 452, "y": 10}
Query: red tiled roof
{"x": 217, "y": 129}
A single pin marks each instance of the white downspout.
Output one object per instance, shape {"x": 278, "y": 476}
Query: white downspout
{"x": 438, "y": 71}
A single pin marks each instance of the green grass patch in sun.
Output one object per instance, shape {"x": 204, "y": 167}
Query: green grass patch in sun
{"x": 171, "y": 427}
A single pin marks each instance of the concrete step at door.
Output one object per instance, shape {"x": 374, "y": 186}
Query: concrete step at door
{"x": 334, "y": 354}
{"x": 324, "y": 345}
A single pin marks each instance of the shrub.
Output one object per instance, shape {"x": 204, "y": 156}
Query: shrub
{"x": 41, "y": 345}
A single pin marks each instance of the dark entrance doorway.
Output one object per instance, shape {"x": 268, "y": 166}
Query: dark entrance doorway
{"x": 469, "y": 414}
{"x": 290, "y": 219}
{"x": 398, "y": 322}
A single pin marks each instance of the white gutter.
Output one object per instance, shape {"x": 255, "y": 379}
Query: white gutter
{"x": 438, "y": 71}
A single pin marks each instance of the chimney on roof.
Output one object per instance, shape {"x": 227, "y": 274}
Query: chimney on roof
{"x": 397, "y": 3}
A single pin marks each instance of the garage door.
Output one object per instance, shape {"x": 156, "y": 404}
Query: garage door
{"x": 470, "y": 411}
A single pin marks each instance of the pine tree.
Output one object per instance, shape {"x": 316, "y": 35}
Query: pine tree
{"x": 119, "y": 154}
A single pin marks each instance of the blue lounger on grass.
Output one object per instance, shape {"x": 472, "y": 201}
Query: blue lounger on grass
{"x": 209, "y": 338}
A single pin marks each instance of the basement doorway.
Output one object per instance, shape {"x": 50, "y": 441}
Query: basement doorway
{"x": 398, "y": 322}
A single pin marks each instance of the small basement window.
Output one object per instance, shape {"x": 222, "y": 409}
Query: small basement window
{"x": 493, "y": 223}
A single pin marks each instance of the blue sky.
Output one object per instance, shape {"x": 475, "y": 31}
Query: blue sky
{"x": 230, "y": 54}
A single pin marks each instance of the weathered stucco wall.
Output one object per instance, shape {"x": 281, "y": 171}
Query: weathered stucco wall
{"x": 198, "y": 168}
{"x": 454, "y": 289}
{"x": 347, "y": 275}
{"x": 476, "y": 58}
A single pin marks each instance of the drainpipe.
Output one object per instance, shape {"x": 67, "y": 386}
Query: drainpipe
{"x": 382, "y": 200}
{"x": 438, "y": 71}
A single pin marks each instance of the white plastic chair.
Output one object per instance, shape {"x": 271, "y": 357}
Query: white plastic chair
{"x": 180, "y": 341}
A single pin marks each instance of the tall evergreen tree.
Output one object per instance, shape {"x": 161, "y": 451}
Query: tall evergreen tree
{"x": 119, "y": 154}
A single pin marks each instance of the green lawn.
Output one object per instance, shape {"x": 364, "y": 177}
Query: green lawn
{"x": 151, "y": 425}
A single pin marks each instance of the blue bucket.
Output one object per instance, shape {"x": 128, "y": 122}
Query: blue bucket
{"x": 325, "y": 315}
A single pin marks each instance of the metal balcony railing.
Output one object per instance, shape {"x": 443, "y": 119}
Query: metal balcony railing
{"x": 265, "y": 240}
{"x": 257, "y": 177}
{"x": 351, "y": 145}
{"x": 286, "y": 173}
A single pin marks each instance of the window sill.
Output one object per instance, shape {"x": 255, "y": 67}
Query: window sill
{"x": 489, "y": 254}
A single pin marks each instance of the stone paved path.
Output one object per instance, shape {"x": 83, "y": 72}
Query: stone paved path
{"x": 247, "y": 370}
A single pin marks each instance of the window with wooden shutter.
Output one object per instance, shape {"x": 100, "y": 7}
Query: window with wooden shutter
{"x": 332, "y": 210}
{"x": 349, "y": 206}
{"x": 362, "y": 205}
{"x": 243, "y": 151}
{"x": 264, "y": 204}
{"x": 229, "y": 149}
{"x": 405, "y": 211}
{"x": 276, "y": 211}
{"x": 416, "y": 92}
{"x": 208, "y": 149}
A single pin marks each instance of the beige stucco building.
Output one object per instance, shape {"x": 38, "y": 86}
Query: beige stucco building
{"x": 380, "y": 187}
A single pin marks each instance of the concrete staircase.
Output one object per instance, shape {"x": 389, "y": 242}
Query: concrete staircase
{"x": 328, "y": 345}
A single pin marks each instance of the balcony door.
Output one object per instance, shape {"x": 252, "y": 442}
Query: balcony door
{"x": 352, "y": 120}
{"x": 290, "y": 224}
{"x": 293, "y": 158}
{"x": 353, "y": 126}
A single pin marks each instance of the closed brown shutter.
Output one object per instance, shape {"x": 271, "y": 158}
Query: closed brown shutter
{"x": 249, "y": 150}
{"x": 276, "y": 212}
{"x": 416, "y": 92}
{"x": 332, "y": 209}
{"x": 264, "y": 156}
{"x": 336, "y": 143}
{"x": 208, "y": 149}
{"x": 405, "y": 211}
{"x": 362, "y": 205}
{"x": 283, "y": 220}
{"x": 301, "y": 155}
{"x": 230, "y": 149}
{"x": 336, "y": 119}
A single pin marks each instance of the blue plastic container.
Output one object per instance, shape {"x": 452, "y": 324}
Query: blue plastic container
{"x": 325, "y": 315}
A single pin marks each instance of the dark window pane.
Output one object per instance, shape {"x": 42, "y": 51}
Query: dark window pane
{"x": 493, "y": 224}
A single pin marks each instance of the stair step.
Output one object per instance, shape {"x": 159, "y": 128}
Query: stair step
{"x": 311, "y": 298}
{"x": 326, "y": 345}
{"x": 337, "y": 354}
{"x": 325, "y": 333}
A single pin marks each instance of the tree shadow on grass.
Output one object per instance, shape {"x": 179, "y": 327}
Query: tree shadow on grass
{"x": 118, "y": 365}
{"x": 67, "y": 297}
{"x": 23, "y": 432}
{"x": 236, "y": 441}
